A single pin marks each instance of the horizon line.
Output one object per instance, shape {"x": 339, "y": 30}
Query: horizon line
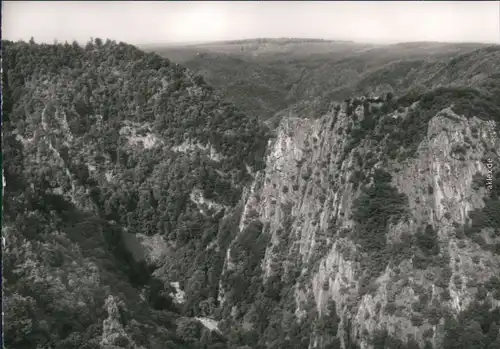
{"x": 319, "y": 39}
{"x": 243, "y": 40}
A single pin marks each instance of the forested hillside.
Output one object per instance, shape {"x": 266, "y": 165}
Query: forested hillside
{"x": 94, "y": 144}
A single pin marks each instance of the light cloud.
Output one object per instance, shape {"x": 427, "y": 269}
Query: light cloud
{"x": 178, "y": 21}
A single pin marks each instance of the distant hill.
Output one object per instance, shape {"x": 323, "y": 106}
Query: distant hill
{"x": 263, "y": 76}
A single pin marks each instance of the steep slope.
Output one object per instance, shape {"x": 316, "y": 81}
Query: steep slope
{"x": 107, "y": 152}
{"x": 382, "y": 223}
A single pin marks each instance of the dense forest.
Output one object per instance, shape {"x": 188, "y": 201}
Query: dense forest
{"x": 69, "y": 114}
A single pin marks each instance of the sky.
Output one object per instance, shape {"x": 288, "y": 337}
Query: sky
{"x": 150, "y": 22}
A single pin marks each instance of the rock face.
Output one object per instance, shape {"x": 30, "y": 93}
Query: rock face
{"x": 306, "y": 199}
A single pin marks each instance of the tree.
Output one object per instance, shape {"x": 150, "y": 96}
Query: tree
{"x": 412, "y": 344}
{"x": 495, "y": 344}
{"x": 195, "y": 287}
{"x": 189, "y": 330}
{"x": 428, "y": 345}
{"x": 493, "y": 332}
{"x": 473, "y": 337}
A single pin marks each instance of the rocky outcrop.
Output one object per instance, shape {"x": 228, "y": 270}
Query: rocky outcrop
{"x": 306, "y": 195}
{"x": 113, "y": 333}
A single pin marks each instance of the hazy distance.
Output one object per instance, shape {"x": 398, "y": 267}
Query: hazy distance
{"x": 145, "y": 22}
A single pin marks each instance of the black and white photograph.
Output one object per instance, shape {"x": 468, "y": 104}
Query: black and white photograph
{"x": 250, "y": 174}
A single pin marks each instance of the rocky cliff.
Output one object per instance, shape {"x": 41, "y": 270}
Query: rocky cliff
{"x": 386, "y": 235}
